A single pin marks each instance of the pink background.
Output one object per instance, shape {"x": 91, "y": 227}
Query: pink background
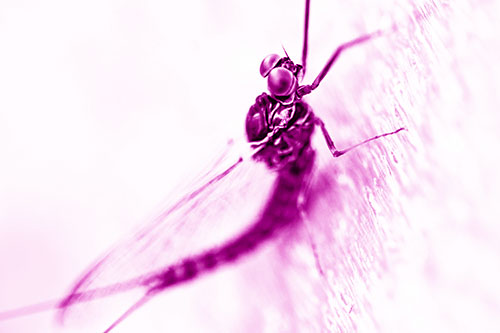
{"x": 107, "y": 106}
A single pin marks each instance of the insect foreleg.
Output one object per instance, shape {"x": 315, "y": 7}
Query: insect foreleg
{"x": 306, "y": 36}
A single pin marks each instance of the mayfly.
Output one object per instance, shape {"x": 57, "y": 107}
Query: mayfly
{"x": 279, "y": 127}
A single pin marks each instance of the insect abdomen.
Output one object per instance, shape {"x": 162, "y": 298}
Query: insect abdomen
{"x": 281, "y": 210}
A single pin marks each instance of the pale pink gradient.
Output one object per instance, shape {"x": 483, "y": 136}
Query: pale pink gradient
{"x": 107, "y": 106}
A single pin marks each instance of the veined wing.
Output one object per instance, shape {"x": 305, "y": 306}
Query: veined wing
{"x": 226, "y": 203}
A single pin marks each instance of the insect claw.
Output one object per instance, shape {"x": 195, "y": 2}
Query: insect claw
{"x": 338, "y": 153}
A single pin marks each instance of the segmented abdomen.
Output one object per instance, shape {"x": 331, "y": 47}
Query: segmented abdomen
{"x": 281, "y": 210}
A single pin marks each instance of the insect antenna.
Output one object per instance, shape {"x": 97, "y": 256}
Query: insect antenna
{"x": 284, "y": 50}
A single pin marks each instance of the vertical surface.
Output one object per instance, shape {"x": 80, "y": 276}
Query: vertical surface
{"x": 107, "y": 105}
{"x": 406, "y": 230}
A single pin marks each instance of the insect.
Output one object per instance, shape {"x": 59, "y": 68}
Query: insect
{"x": 279, "y": 127}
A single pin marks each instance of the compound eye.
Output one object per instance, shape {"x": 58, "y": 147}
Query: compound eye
{"x": 268, "y": 64}
{"x": 281, "y": 82}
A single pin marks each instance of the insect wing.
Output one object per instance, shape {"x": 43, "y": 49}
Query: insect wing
{"x": 226, "y": 203}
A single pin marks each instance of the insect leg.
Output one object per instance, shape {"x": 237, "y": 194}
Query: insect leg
{"x": 307, "y": 89}
{"x": 335, "y": 152}
{"x": 338, "y": 51}
{"x": 306, "y": 36}
{"x": 129, "y": 311}
{"x": 301, "y": 205}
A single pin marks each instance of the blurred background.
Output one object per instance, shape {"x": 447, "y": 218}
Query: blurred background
{"x": 108, "y": 107}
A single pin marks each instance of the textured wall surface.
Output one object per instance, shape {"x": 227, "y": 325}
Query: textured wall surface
{"x": 106, "y": 107}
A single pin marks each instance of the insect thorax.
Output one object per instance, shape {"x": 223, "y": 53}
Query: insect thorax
{"x": 284, "y": 131}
